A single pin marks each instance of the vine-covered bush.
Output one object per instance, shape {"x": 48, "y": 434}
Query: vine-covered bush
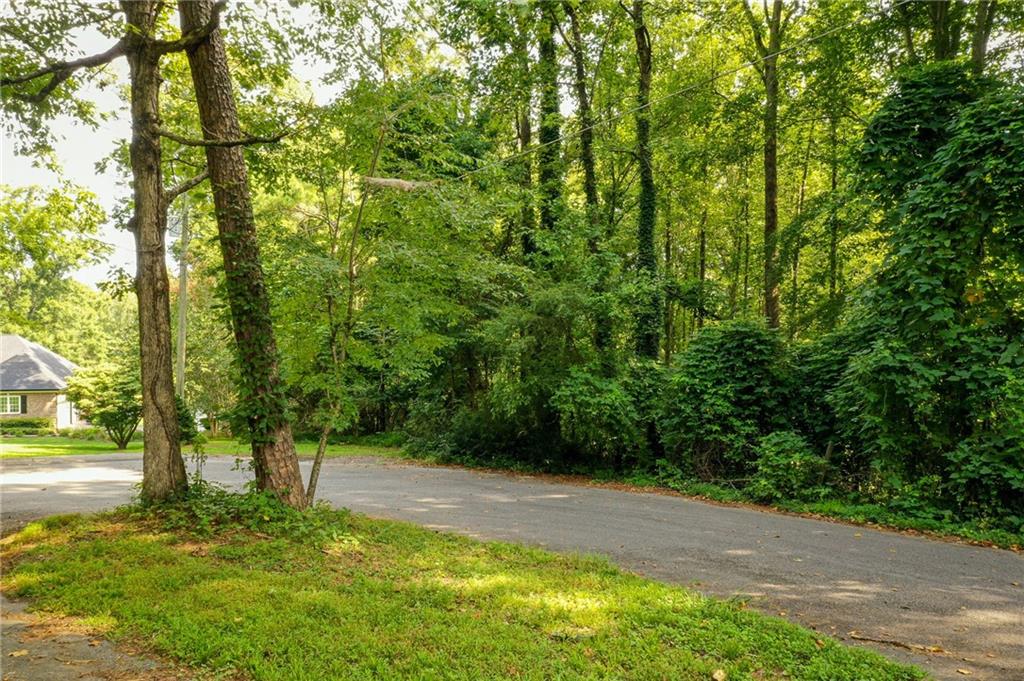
{"x": 597, "y": 417}
{"x": 728, "y": 390}
{"x": 787, "y": 468}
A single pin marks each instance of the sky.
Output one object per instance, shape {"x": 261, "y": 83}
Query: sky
{"x": 80, "y": 147}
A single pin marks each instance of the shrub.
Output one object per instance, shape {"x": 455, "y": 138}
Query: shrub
{"x": 597, "y": 417}
{"x": 729, "y": 389}
{"x": 787, "y": 469}
{"x": 35, "y": 422}
{"x": 986, "y": 470}
{"x": 23, "y": 431}
{"x": 88, "y": 433}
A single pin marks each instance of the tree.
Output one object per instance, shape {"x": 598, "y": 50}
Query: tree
{"x": 44, "y": 236}
{"x": 49, "y": 89}
{"x": 262, "y": 401}
{"x": 768, "y": 67}
{"x": 648, "y": 314}
{"x": 549, "y": 152}
{"x": 110, "y": 397}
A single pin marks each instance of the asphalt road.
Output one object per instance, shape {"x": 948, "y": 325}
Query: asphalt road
{"x": 907, "y": 593}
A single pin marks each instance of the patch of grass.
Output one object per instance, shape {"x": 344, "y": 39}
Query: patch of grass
{"x": 374, "y": 599}
{"x": 21, "y": 447}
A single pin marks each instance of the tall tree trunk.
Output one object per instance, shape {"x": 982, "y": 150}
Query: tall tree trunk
{"x": 984, "y": 16}
{"x": 586, "y": 119}
{"x": 524, "y": 135}
{"x": 179, "y": 378}
{"x": 798, "y": 240}
{"x": 833, "y": 226}
{"x": 769, "y": 53}
{"x": 276, "y": 465}
{"x": 163, "y": 471}
{"x": 670, "y": 305}
{"x": 947, "y": 22}
{"x": 702, "y": 268}
{"x": 549, "y": 155}
{"x": 602, "y": 316}
{"x": 648, "y": 311}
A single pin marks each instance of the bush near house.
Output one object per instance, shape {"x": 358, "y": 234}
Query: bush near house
{"x": 26, "y": 425}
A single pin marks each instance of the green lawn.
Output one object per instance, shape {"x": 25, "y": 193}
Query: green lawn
{"x": 18, "y": 447}
{"x": 384, "y": 600}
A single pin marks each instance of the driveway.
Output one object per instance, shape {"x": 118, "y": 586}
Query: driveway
{"x": 943, "y": 606}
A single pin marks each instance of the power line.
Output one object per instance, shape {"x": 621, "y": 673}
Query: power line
{"x": 689, "y": 88}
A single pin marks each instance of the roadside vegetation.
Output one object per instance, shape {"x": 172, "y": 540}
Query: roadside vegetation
{"x": 22, "y": 447}
{"x": 239, "y": 584}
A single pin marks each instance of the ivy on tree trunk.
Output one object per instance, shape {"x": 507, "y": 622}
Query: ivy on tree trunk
{"x": 261, "y": 394}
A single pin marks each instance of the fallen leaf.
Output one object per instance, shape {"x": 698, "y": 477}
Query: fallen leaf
{"x": 719, "y": 675}
{"x": 18, "y": 653}
{"x": 965, "y": 672}
{"x": 856, "y": 535}
{"x": 95, "y": 642}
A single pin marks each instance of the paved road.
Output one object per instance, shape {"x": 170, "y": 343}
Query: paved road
{"x": 967, "y": 601}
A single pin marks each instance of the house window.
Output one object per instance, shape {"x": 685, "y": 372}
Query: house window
{"x": 10, "y": 404}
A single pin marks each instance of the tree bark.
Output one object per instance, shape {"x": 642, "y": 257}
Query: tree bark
{"x": 549, "y": 154}
{"x": 833, "y": 227}
{"x": 276, "y": 465}
{"x": 602, "y": 316}
{"x": 163, "y": 471}
{"x": 984, "y": 16}
{"x": 769, "y": 71}
{"x": 702, "y": 267}
{"x": 649, "y": 309}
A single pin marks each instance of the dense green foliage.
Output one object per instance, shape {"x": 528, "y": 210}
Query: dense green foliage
{"x": 534, "y": 235}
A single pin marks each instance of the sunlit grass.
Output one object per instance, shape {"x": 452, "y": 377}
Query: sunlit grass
{"x": 386, "y": 600}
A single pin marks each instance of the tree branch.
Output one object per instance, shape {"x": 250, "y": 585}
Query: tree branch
{"x": 245, "y": 141}
{"x": 194, "y": 37}
{"x": 61, "y": 71}
{"x": 174, "y": 192}
{"x": 755, "y": 26}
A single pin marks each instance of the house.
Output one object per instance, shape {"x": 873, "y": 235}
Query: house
{"x": 32, "y": 383}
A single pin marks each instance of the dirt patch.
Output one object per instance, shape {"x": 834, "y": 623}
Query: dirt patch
{"x": 47, "y": 648}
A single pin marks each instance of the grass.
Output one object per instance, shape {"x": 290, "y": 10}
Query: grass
{"x": 374, "y": 599}
{"x": 20, "y": 447}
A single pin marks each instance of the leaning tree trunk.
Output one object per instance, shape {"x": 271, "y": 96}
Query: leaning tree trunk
{"x": 261, "y": 393}
{"x": 163, "y": 469}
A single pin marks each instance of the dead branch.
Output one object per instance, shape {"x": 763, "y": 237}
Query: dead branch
{"x": 401, "y": 185}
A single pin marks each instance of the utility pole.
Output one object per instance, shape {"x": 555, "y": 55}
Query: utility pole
{"x": 179, "y": 378}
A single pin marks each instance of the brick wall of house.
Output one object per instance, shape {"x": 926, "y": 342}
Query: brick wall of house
{"x": 39, "y": 405}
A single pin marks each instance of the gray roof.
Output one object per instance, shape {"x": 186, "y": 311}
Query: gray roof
{"x": 25, "y": 365}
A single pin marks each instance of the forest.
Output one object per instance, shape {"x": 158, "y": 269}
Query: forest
{"x": 766, "y": 251}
